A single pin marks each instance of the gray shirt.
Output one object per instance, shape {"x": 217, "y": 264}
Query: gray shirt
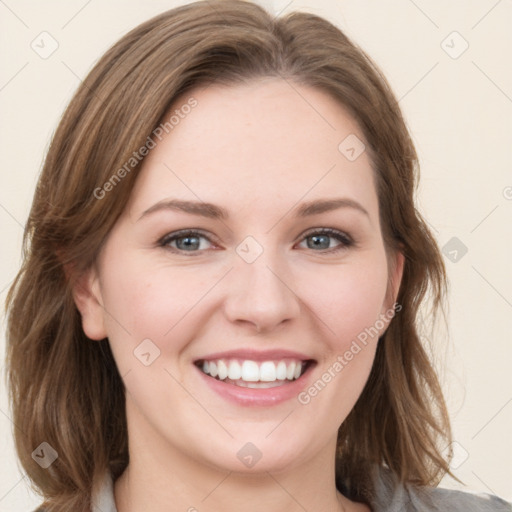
{"x": 389, "y": 497}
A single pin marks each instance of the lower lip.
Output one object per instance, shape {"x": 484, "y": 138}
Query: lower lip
{"x": 254, "y": 396}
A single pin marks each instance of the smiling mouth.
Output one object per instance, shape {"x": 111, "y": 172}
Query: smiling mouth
{"x": 253, "y": 374}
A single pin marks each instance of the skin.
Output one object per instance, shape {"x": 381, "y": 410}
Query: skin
{"x": 259, "y": 150}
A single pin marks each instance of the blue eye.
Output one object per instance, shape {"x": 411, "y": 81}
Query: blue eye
{"x": 190, "y": 241}
{"x": 321, "y": 239}
{"x": 185, "y": 240}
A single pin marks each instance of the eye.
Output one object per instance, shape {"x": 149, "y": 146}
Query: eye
{"x": 321, "y": 239}
{"x": 184, "y": 240}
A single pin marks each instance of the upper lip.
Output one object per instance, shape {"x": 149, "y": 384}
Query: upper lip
{"x": 256, "y": 355}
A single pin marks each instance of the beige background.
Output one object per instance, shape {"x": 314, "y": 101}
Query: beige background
{"x": 459, "y": 109}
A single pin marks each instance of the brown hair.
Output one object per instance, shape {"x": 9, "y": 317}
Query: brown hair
{"x": 66, "y": 390}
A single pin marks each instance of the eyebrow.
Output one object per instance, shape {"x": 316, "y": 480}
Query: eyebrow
{"x": 213, "y": 211}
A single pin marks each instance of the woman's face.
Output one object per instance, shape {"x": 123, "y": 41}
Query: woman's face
{"x": 258, "y": 289}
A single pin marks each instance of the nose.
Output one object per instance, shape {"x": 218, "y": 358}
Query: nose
{"x": 260, "y": 294}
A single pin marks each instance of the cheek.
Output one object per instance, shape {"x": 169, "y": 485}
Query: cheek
{"x": 142, "y": 303}
{"x": 348, "y": 299}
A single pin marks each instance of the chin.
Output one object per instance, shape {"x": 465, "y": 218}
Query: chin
{"x": 258, "y": 455}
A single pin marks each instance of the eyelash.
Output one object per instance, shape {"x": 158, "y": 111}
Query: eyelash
{"x": 346, "y": 240}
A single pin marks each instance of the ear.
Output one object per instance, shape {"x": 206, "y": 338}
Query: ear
{"x": 396, "y": 263}
{"x": 395, "y": 272}
{"x": 86, "y": 292}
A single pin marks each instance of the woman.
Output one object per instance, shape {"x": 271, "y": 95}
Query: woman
{"x": 224, "y": 266}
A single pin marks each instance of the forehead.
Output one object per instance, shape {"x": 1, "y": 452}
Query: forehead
{"x": 267, "y": 142}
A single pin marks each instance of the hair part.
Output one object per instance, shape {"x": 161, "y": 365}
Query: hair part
{"x": 65, "y": 389}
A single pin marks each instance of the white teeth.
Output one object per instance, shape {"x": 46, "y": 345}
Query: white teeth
{"x": 235, "y": 370}
{"x": 290, "y": 372}
{"x": 251, "y": 371}
{"x": 223, "y": 369}
{"x": 268, "y": 371}
{"x": 281, "y": 371}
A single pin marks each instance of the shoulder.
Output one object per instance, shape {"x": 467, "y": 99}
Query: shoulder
{"x": 390, "y": 496}
{"x": 454, "y": 501}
